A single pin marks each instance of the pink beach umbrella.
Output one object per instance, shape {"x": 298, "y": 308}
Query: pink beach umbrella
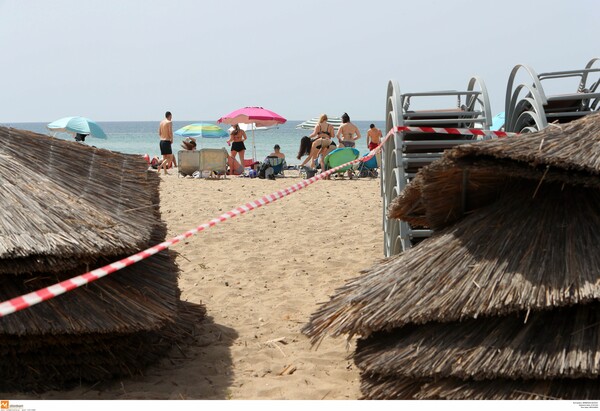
{"x": 258, "y": 116}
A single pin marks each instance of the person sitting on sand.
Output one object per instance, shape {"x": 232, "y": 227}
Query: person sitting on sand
{"x": 347, "y": 131}
{"x": 235, "y": 168}
{"x": 155, "y": 162}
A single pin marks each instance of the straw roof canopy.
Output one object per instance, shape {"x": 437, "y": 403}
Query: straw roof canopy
{"x": 409, "y": 206}
{"x": 574, "y": 146}
{"x": 65, "y": 203}
{"x": 143, "y": 296}
{"x": 375, "y": 388}
{"x": 68, "y": 208}
{"x": 503, "y": 301}
{"x": 518, "y": 254}
{"x": 468, "y": 176}
{"x": 561, "y": 343}
{"x": 57, "y": 362}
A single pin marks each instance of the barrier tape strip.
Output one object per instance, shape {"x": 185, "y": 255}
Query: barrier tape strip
{"x": 44, "y": 294}
{"x": 35, "y": 297}
{"x": 462, "y": 131}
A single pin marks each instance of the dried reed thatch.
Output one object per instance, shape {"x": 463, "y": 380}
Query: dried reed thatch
{"x": 409, "y": 204}
{"x": 560, "y": 343}
{"x": 68, "y": 208}
{"x": 56, "y": 363}
{"x": 502, "y": 259}
{"x": 141, "y": 297}
{"x": 63, "y": 203}
{"x": 467, "y": 176}
{"x": 574, "y": 146}
{"x": 374, "y": 388}
{"x": 502, "y": 302}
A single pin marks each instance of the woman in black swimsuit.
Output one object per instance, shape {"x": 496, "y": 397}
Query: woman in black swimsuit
{"x": 237, "y": 136}
{"x": 323, "y": 142}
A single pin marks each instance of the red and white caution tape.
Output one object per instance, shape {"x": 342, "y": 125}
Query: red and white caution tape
{"x": 461, "y": 131}
{"x": 33, "y": 298}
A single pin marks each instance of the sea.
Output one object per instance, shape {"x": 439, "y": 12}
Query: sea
{"x": 141, "y": 137}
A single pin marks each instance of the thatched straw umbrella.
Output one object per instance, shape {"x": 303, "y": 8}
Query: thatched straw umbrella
{"x": 497, "y": 260}
{"x": 68, "y": 208}
{"x": 468, "y": 176}
{"x": 375, "y": 388}
{"x": 515, "y": 224}
{"x": 561, "y": 343}
{"x": 65, "y": 203}
{"x": 500, "y": 260}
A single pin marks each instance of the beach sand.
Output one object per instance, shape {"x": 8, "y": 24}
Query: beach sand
{"x": 260, "y": 276}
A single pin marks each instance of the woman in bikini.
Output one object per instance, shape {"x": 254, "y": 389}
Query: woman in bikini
{"x": 347, "y": 132}
{"x": 236, "y": 139}
{"x": 323, "y": 143}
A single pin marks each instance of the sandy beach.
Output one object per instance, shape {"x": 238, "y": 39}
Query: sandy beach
{"x": 260, "y": 276}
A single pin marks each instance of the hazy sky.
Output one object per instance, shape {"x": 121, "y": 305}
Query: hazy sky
{"x": 133, "y": 59}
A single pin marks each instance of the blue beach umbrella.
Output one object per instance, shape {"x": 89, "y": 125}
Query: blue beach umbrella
{"x": 498, "y": 122}
{"x": 205, "y": 130}
{"x": 78, "y": 125}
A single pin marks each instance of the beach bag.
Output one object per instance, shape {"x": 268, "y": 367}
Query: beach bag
{"x": 307, "y": 172}
{"x": 262, "y": 171}
{"x": 270, "y": 173}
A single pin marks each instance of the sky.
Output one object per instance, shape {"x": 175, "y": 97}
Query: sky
{"x": 131, "y": 60}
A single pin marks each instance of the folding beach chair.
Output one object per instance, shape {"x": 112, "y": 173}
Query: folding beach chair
{"x": 272, "y": 166}
{"x": 213, "y": 162}
{"x": 368, "y": 168}
{"x": 341, "y": 156}
{"x": 188, "y": 162}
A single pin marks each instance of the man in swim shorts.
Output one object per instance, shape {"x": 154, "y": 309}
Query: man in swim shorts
{"x": 373, "y": 137}
{"x": 165, "y": 132}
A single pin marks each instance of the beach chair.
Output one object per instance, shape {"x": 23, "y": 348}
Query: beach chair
{"x": 213, "y": 162}
{"x": 529, "y": 108}
{"x": 341, "y": 156}
{"x": 407, "y": 151}
{"x": 278, "y": 165}
{"x": 188, "y": 162}
{"x": 272, "y": 166}
{"x": 368, "y": 168}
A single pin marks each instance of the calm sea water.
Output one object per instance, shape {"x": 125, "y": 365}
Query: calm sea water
{"x": 141, "y": 137}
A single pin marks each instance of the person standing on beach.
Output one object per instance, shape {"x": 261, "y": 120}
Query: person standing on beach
{"x": 347, "y": 131}
{"x": 165, "y": 132}
{"x": 237, "y": 136}
{"x": 373, "y": 137}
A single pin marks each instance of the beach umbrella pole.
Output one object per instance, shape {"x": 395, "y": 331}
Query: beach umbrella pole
{"x": 253, "y": 145}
